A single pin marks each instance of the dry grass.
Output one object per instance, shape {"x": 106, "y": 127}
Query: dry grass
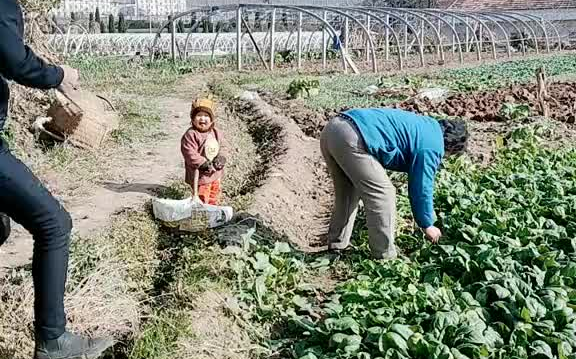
{"x": 218, "y": 332}
{"x": 107, "y": 279}
{"x": 100, "y": 304}
{"x": 243, "y": 158}
{"x": 136, "y": 238}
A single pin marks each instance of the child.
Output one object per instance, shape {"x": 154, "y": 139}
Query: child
{"x": 193, "y": 149}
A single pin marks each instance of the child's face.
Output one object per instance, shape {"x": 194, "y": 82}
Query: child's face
{"x": 202, "y": 121}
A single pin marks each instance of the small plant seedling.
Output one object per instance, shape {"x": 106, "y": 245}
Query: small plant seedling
{"x": 302, "y": 88}
{"x": 515, "y": 112}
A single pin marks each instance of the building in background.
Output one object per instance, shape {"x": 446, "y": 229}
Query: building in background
{"x": 131, "y": 8}
{"x": 145, "y": 8}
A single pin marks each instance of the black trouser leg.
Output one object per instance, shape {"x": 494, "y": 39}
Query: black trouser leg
{"x": 5, "y": 228}
{"x": 24, "y": 199}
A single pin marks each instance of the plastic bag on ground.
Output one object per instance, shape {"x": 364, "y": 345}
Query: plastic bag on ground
{"x": 190, "y": 215}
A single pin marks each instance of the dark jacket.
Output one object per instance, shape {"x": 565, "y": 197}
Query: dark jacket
{"x": 17, "y": 61}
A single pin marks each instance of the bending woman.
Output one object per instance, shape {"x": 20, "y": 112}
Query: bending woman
{"x": 360, "y": 145}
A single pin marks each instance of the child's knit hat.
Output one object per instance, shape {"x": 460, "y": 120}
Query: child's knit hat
{"x": 203, "y": 104}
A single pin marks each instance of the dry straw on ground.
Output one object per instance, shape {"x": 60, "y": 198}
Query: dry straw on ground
{"x": 99, "y": 305}
{"x": 107, "y": 277}
{"x": 218, "y": 335}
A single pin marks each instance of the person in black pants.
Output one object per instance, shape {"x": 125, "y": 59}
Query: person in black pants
{"x": 25, "y": 200}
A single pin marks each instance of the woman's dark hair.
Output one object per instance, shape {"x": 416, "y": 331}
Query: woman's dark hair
{"x": 455, "y": 136}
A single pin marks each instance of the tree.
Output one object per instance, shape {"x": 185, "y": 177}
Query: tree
{"x": 122, "y": 28}
{"x": 102, "y": 27}
{"x": 97, "y": 16}
{"x": 111, "y": 27}
{"x": 72, "y": 16}
{"x": 91, "y": 23}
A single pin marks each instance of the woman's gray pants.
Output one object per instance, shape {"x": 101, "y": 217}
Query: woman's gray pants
{"x": 358, "y": 175}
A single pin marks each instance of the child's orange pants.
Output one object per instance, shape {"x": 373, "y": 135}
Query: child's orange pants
{"x": 210, "y": 193}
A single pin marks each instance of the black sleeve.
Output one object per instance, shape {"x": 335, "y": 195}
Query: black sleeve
{"x": 17, "y": 61}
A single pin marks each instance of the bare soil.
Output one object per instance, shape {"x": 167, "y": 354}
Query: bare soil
{"x": 486, "y": 105}
{"x": 294, "y": 195}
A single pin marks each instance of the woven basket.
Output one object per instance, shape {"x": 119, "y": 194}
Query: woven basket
{"x": 82, "y": 118}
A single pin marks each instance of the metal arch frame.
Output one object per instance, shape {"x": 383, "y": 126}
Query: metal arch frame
{"x": 393, "y": 14}
{"x": 540, "y": 21}
{"x": 422, "y": 23}
{"x": 67, "y": 38}
{"x": 310, "y": 40}
{"x": 441, "y": 43}
{"x": 481, "y": 19}
{"x": 231, "y": 8}
{"x": 457, "y": 36}
{"x": 391, "y": 29}
{"x": 288, "y": 38}
{"x": 498, "y": 25}
{"x": 526, "y": 25}
{"x": 518, "y": 16}
{"x": 551, "y": 24}
{"x": 407, "y": 23}
{"x": 461, "y": 18}
{"x": 244, "y": 34}
{"x": 345, "y": 15}
{"x": 366, "y": 31}
{"x": 504, "y": 32}
{"x": 436, "y": 30}
{"x": 208, "y": 10}
{"x": 466, "y": 24}
{"x": 190, "y": 32}
{"x": 450, "y": 26}
{"x": 303, "y": 10}
{"x": 212, "y": 55}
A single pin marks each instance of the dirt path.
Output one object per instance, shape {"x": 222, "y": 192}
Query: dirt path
{"x": 295, "y": 197}
{"x": 292, "y": 197}
{"x": 144, "y": 170}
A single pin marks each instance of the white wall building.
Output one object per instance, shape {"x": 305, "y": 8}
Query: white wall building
{"x": 127, "y": 7}
{"x": 144, "y": 8}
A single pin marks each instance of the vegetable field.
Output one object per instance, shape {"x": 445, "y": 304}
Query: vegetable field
{"x": 500, "y": 285}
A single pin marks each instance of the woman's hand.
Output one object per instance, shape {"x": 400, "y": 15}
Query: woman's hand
{"x": 433, "y": 234}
